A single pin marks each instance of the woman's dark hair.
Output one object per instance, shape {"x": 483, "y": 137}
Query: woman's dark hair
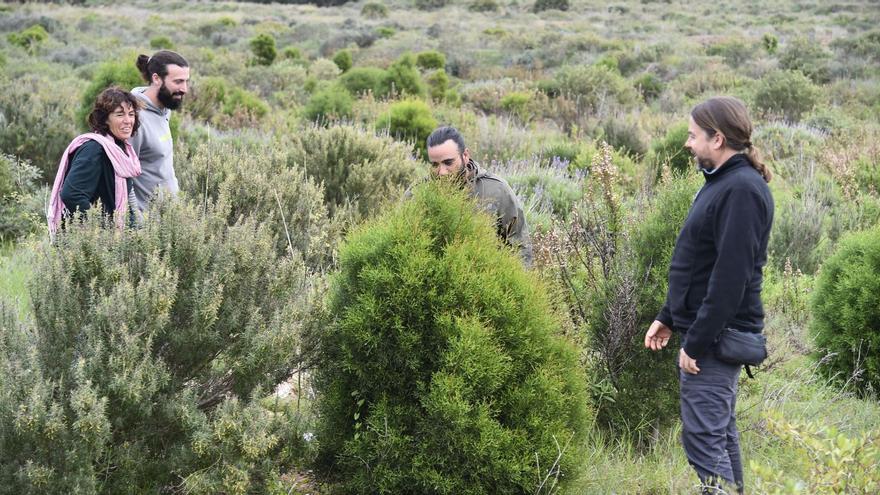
{"x": 158, "y": 64}
{"x": 728, "y": 116}
{"x": 106, "y": 103}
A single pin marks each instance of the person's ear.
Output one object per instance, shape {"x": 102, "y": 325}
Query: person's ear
{"x": 466, "y": 155}
{"x": 156, "y": 79}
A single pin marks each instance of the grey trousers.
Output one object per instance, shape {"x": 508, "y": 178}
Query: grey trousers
{"x": 709, "y": 434}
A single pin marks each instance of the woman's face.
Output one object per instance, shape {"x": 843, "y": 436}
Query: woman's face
{"x": 121, "y": 121}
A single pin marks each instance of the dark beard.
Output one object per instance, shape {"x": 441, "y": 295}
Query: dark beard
{"x": 167, "y": 99}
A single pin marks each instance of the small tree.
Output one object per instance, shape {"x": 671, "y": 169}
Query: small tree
{"x": 263, "y": 48}
{"x": 410, "y": 121}
{"x": 789, "y": 94}
{"x": 431, "y": 59}
{"x": 445, "y": 372}
{"x": 343, "y": 60}
{"x": 846, "y": 312}
{"x": 402, "y": 77}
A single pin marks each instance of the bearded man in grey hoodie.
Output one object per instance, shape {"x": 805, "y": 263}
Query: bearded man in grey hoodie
{"x": 167, "y": 74}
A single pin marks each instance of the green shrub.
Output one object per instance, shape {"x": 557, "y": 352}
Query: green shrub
{"x": 431, "y": 60}
{"x": 625, "y": 136}
{"x": 21, "y": 208}
{"x": 770, "y": 43}
{"x": 357, "y": 168}
{"x": 374, "y": 10}
{"x": 866, "y": 46}
{"x": 161, "y": 43}
{"x": 38, "y": 120}
{"x": 542, "y": 5}
{"x": 263, "y": 48}
{"x": 29, "y": 39}
{"x": 410, "y": 121}
{"x": 324, "y": 70}
{"x": 226, "y": 107}
{"x": 649, "y": 86}
{"x": 483, "y": 6}
{"x": 329, "y": 104}
{"x": 438, "y": 85}
{"x": 564, "y": 150}
{"x": 292, "y": 53}
{"x": 385, "y": 31}
{"x": 343, "y": 60}
{"x": 808, "y": 57}
{"x": 149, "y": 352}
{"x": 779, "y": 140}
{"x": 669, "y": 151}
{"x": 789, "y": 94}
{"x": 592, "y": 85}
{"x": 516, "y": 104}
{"x": 735, "y": 52}
{"x": 402, "y": 78}
{"x": 552, "y": 187}
{"x": 360, "y": 80}
{"x": 846, "y": 315}
{"x": 445, "y": 371}
{"x": 111, "y": 73}
{"x": 430, "y": 4}
{"x": 253, "y": 179}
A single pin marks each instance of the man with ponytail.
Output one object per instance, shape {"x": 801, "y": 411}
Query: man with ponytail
{"x": 715, "y": 281}
{"x": 167, "y": 76}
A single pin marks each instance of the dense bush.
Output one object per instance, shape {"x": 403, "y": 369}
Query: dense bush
{"x": 445, "y": 372}
{"x": 360, "y": 80}
{"x": 343, "y": 60}
{"x": 789, "y": 94}
{"x": 542, "y": 5}
{"x": 807, "y": 56}
{"x": 161, "y": 43}
{"x": 148, "y": 355}
{"x": 253, "y": 179}
{"x": 374, "y": 10}
{"x": 483, "y": 6}
{"x": 438, "y": 85}
{"x": 430, "y": 4}
{"x": 669, "y": 151}
{"x": 402, "y": 78}
{"x": 263, "y": 48}
{"x": 356, "y": 167}
{"x": 592, "y": 86}
{"x": 329, "y": 104}
{"x": 735, "y": 51}
{"x": 30, "y": 38}
{"x": 649, "y": 86}
{"x": 431, "y": 60}
{"x": 408, "y": 120}
{"x": 20, "y": 205}
{"x": 225, "y": 106}
{"x": 846, "y": 313}
{"x": 624, "y": 135}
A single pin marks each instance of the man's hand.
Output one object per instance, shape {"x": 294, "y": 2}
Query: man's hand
{"x": 686, "y": 363}
{"x": 658, "y": 336}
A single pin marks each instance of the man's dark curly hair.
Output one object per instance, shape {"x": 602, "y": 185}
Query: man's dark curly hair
{"x": 106, "y": 103}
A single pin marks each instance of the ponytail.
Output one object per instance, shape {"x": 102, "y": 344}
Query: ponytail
{"x": 141, "y": 64}
{"x": 755, "y": 158}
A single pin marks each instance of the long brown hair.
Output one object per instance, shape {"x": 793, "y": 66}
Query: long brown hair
{"x": 728, "y": 116}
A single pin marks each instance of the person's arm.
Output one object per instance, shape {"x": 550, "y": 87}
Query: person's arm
{"x": 515, "y": 229}
{"x": 739, "y": 223}
{"x": 82, "y": 178}
{"x": 665, "y": 315}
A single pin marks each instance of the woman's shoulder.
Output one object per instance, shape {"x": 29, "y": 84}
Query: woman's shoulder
{"x": 89, "y": 150}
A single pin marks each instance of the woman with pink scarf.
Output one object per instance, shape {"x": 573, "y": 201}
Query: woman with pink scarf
{"x": 99, "y": 165}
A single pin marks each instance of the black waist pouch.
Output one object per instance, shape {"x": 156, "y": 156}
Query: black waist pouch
{"x": 737, "y": 347}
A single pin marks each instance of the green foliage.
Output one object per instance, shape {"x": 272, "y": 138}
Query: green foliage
{"x": 374, "y": 10}
{"x": 770, "y": 43}
{"x": 809, "y": 57}
{"x": 800, "y": 229}
{"x": 29, "y": 39}
{"x": 846, "y": 316}
{"x": 438, "y": 85}
{"x": 593, "y": 85}
{"x": 403, "y": 78}
{"x": 542, "y": 5}
{"x": 445, "y": 372}
{"x": 430, "y": 4}
{"x": 225, "y": 106}
{"x": 385, "y": 31}
{"x": 20, "y": 205}
{"x": 625, "y": 136}
{"x": 833, "y": 461}
{"x": 789, "y": 94}
{"x": 408, "y": 120}
{"x": 329, "y": 104}
{"x": 866, "y": 46}
{"x": 516, "y": 103}
{"x": 110, "y": 73}
{"x": 735, "y": 52}
{"x": 148, "y": 350}
{"x": 263, "y": 49}
{"x": 253, "y": 179}
{"x": 161, "y": 43}
{"x": 343, "y": 60}
{"x": 360, "y": 80}
{"x": 358, "y": 169}
{"x": 431, "y": 59}
{"x": 292, "y": 53}
{"x": 649, "y": 86}
{"x": 38, "y": 120}
{"x": 669, "y": 151}
{"x": 483, "y": 6}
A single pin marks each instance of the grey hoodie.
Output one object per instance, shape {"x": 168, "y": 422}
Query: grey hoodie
{"x": 154, "y": 148}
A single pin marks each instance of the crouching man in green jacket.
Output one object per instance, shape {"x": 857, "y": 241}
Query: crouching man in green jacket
{"x": 450, "y": 158}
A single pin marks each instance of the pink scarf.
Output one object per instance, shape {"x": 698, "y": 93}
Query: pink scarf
{"x": 124, "y": 166}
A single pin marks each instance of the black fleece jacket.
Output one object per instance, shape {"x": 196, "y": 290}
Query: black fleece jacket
{"x": 715, "y": 274}
{"x": 90, "y": 177}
